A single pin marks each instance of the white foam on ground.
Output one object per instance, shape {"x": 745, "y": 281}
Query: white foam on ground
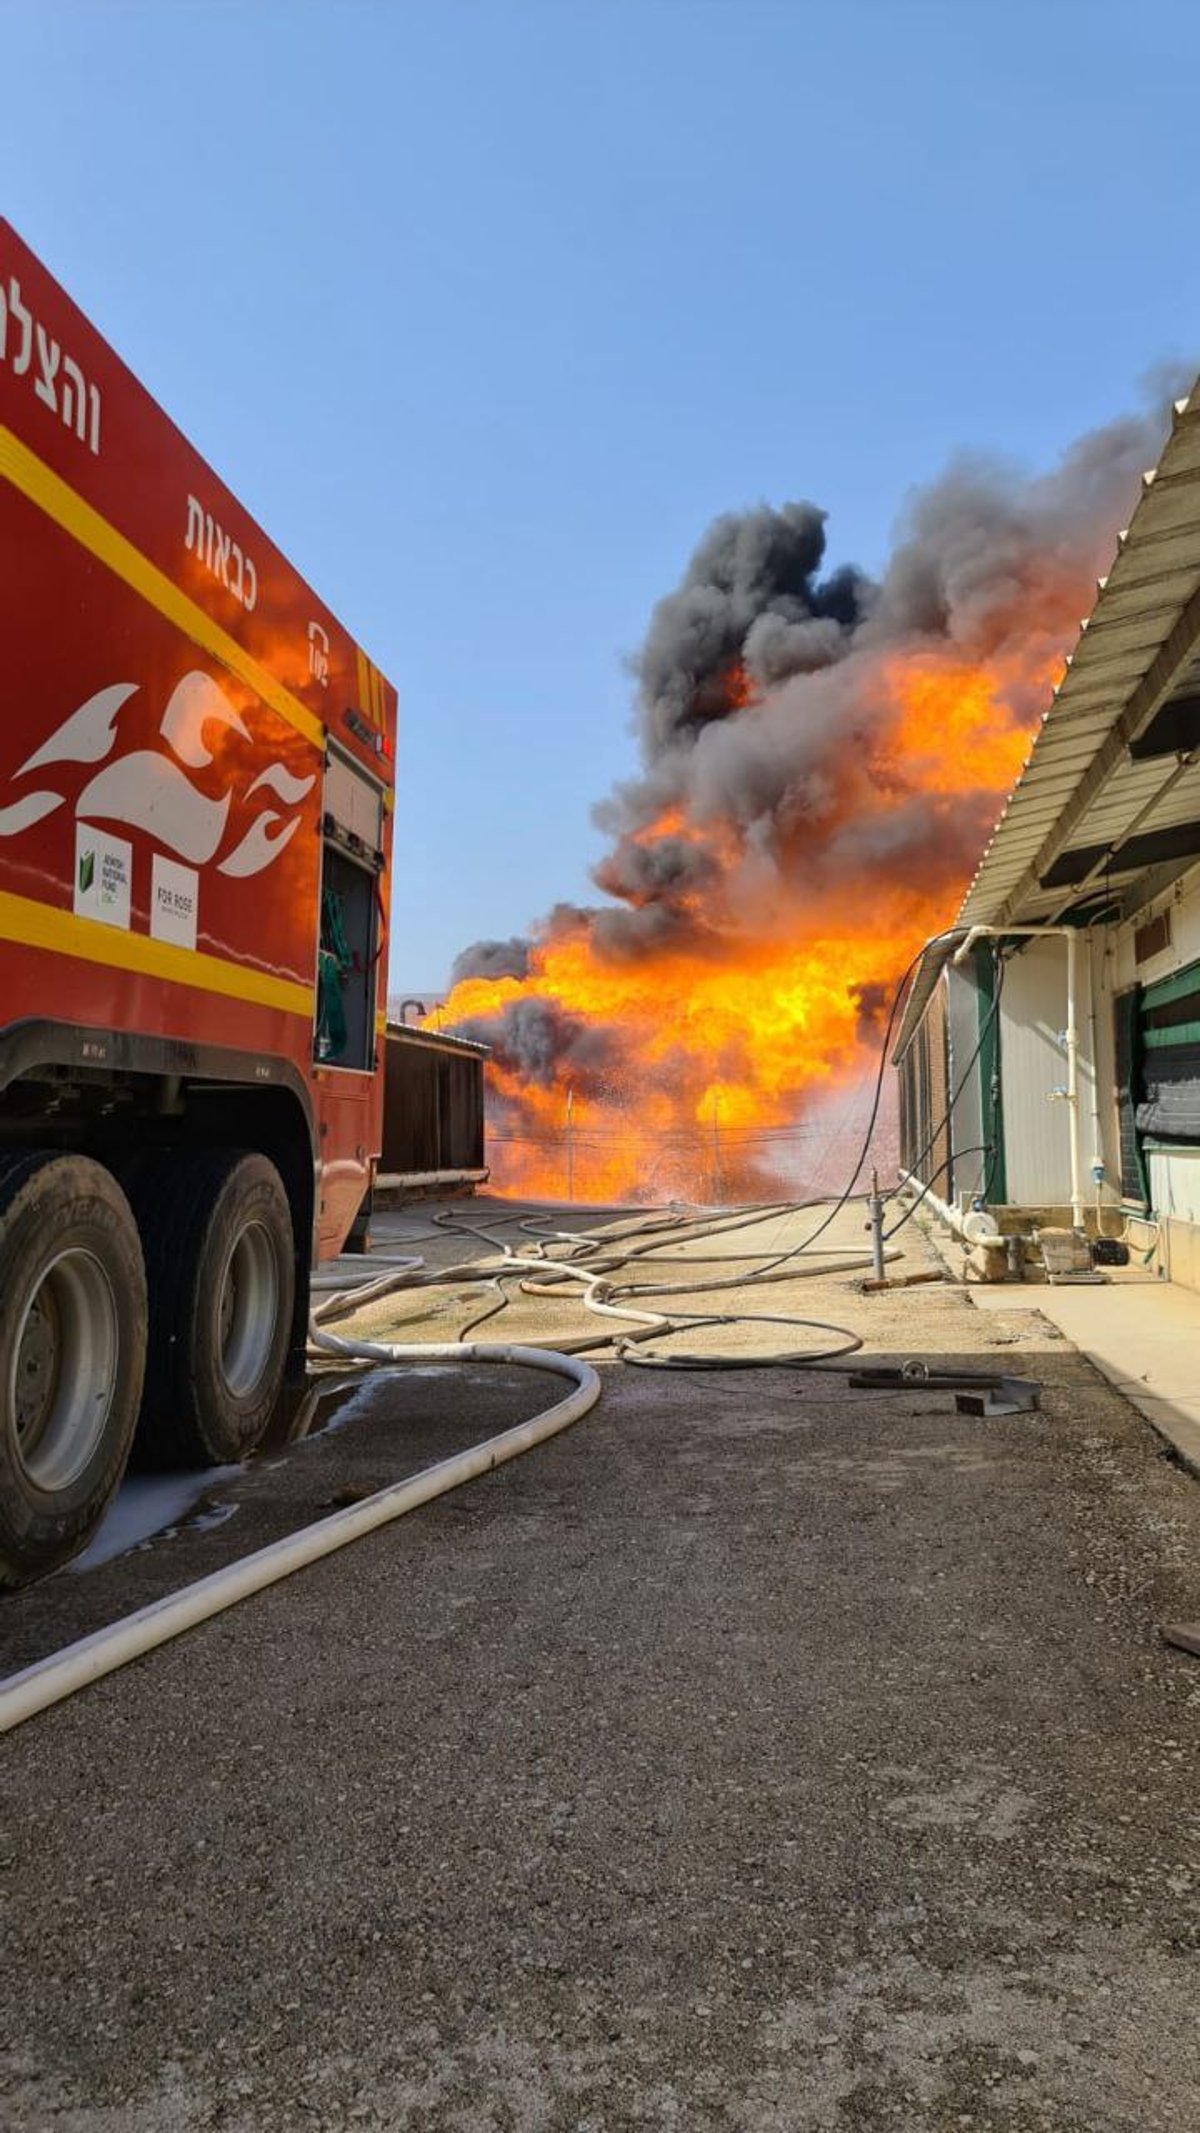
{"x": 149, "y": 1504}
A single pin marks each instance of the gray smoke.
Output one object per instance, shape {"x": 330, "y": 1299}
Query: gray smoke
{"x": 666, "y": 870}
{"x": 538, "y": 1039}
{"x": 492, "y": 959}
{"x": 986, "y": 563}
{"x": 763, "y": 710}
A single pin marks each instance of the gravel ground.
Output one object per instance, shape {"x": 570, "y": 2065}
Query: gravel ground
{"x": 760, "y": 1755}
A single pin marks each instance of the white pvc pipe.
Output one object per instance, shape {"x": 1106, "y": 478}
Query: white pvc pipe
{"x": 941, "y": 1208}
{"x": 1097, "y": 1134}
{"x": 50, "y": 1680}
{"x": 1072, "y": 1043}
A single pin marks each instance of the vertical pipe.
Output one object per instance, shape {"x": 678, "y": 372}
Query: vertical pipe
{"x": 1072, "y": 1040}
{"x": 875, "y": 1225}
{"x": 1097, "y": 1137}
{"x": 570, "y": 1141}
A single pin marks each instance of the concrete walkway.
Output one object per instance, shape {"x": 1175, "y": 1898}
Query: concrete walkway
{"x": 1143, "y": 1335}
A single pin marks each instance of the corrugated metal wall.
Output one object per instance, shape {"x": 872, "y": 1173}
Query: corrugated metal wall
{"x": 432, "y": 1107}
{"x": 924, "y": 1098}
{"x": 940, "y": 1168}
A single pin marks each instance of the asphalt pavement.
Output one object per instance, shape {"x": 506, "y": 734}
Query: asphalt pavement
{"x": 759, "y": 1756}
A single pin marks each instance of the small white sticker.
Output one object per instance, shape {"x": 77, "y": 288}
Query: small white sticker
{"x": 103, "y": 876}
{"x": 174, "y": 897}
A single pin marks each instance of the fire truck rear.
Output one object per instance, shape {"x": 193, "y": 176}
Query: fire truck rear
{"x": 196, "y": 774}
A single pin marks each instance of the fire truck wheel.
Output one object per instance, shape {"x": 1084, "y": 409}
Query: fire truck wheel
{"x": 220, "y": 1270}
{"x": 72, "y": 1354}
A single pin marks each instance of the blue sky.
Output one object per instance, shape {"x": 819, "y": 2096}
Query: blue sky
{"x": 486, "y": 309}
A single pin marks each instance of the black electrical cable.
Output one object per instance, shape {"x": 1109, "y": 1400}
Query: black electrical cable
{"x": 978, "y": 1148}
{"x": 993, "y": 1141}
{"x": 898, "y": 998}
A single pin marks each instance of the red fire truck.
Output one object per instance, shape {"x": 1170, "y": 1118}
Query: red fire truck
{"x": 196, "y": 780}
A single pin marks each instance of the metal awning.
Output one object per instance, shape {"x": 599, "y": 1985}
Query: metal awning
{"x": 1106, "y": 811}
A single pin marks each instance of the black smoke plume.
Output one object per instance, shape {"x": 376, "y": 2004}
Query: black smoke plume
{"x": 762, "y": 701}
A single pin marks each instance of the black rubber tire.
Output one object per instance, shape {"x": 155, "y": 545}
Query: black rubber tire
{"x": 192, "y": 1206}
{"x": 51, "y": 1206}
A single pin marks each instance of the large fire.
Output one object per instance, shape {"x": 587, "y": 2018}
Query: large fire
{"x": 723, "y": 1049}
{"x": 822, "y": 761}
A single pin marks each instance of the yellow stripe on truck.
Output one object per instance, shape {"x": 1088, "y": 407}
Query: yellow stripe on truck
{"x": 61, "y": 503}
{"x": 36, "y": 925}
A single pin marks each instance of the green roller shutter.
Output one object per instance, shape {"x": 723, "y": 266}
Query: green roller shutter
{"x": 1127, "y": 1029}
{"x": 1168, "y": 1104}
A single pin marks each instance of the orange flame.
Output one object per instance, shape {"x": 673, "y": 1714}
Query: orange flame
{"x": 722, "y": 1048}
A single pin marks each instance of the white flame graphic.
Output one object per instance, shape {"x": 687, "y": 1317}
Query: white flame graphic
{"x": 150, "y": 791}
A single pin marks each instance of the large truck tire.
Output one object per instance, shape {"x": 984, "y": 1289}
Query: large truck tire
{"x": 220, "y": 1270}
{"x": 72, "y": 1354}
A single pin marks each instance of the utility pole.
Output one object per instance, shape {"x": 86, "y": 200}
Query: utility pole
{"x": 570, "y": 1140}
{"x": 718, "y": 1185}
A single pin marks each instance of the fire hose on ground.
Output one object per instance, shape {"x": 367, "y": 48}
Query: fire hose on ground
{"x": 50, "y": 1680}
{"x": 580, "y": 1266}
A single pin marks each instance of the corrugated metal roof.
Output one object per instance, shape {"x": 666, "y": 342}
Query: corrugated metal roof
{"x": 437, "y": 1040}
{"x": 1136, "y": 651}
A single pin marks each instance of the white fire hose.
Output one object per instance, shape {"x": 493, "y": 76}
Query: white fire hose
{"x": 50, "y": 1680}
